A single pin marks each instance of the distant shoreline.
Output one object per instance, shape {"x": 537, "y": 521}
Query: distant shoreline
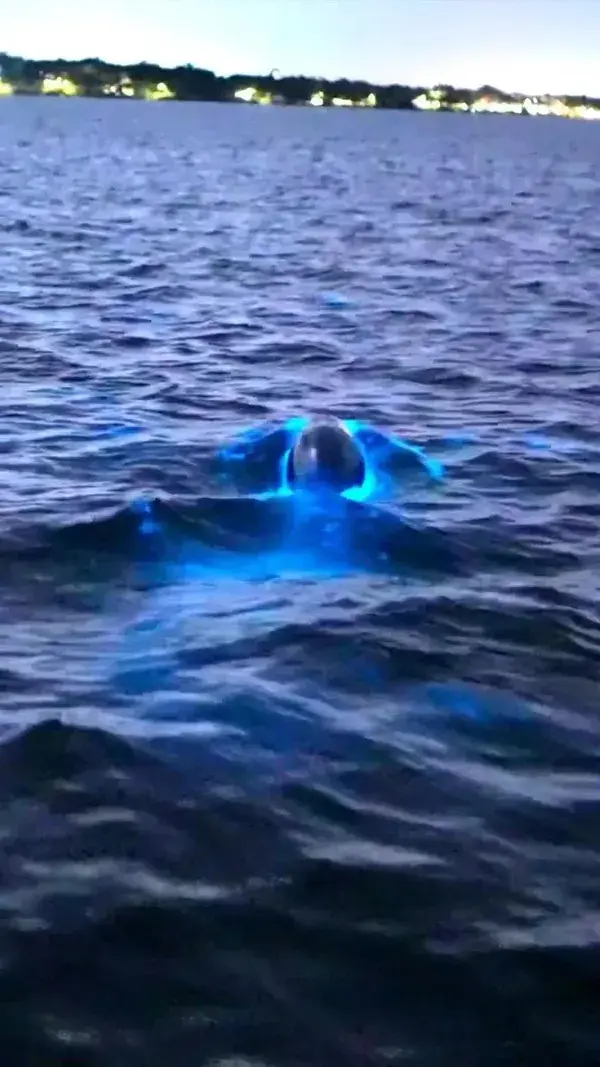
{"x": 93, "y": 78}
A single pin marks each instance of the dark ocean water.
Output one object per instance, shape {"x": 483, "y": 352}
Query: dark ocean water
{"x": 277, "y": 808}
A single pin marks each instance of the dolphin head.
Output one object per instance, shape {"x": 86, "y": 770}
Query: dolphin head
{"x": 325, "y": 457}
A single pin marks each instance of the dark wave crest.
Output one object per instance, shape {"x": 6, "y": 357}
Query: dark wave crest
{"x": 213, "y": 528}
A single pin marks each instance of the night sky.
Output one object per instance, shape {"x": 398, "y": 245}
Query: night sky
{"x": 518, "y": 45}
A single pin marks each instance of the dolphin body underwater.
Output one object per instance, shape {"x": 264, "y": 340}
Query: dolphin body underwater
{"x": 318, "y": 484}
{"x": 323, "y": 457}
{"x": 307, "y": 494}
{"x": 325, "y": 488}
{"x": 303, "y": 494}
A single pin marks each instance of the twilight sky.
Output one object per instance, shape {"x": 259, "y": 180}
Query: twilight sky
{"x": 527, "y": 45}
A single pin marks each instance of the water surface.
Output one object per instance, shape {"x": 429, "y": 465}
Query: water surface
{"x": 275, "y": 807}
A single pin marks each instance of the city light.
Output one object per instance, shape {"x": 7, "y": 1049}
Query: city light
{"x": 159, "y": 92}
{"x": 253, "y": 96}
{"x": 56, "y": 85}
{"x": 124, "y": 87}
{"x": 437, "y": 100}
{"x": 246, "y": 95}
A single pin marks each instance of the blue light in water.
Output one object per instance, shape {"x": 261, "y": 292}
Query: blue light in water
{"x": 296, "y": 423}
{"x": 237, "y": 451}
{"x": 353, "y": 426}
{"x": 370, "y": 485}
{"x": 273, "y": 494}
{"x": 359, "y": 493}
{"x": 241, "y": 446}
{"x": 148, "y": 524}
{"x": 461, "y": 702}
{"x": 283, "y": 489}
{"x": 373, "y": 484}
{"x": 284, "y": 466}
{"x": 293, "y": 426}
{"x": 538, "y": 442}
{"x": 335, "y": 300}
{"x": 433, "y": 466}
{"x": 242, "y": 442}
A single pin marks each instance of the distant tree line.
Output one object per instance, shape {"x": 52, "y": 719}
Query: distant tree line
{"x": 194, "y": 83}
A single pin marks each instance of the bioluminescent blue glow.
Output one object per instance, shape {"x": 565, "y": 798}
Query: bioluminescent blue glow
{"x": 377, "y": 450}
{"x": 317, "y": 540}
{"x": 285, "y": 488}
{"x": 335, "y": 300}
{"x": 314, "y": 530}
{"x": 460, "y": 701}
{"x": 241, "y": 446}
{"x": 148, "y": 524}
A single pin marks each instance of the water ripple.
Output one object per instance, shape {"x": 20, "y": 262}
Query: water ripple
{"x": 271, "y": 802}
